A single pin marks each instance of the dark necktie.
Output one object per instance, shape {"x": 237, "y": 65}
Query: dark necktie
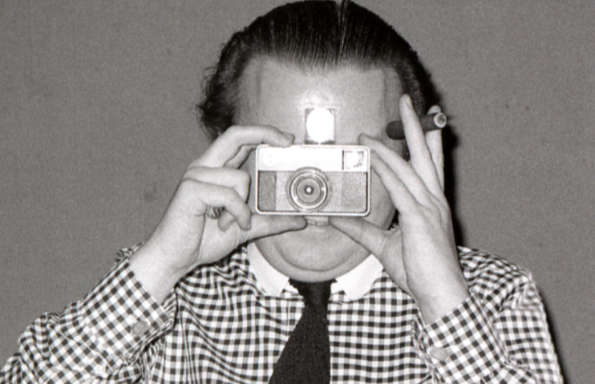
{"x": 306, "y": 356}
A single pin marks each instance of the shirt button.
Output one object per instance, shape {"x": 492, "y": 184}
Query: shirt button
{"x": 439, "y": 353}
{"x": 139, "y": 328}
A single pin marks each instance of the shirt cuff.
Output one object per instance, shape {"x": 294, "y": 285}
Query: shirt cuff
{"x": 122, "y": 318}
{"x": 461, "y": 347}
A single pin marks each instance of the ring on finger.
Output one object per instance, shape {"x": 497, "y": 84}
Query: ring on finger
{"x": 214, "y": 212}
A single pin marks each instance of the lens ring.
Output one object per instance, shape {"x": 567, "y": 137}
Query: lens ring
{"x": 308, "y": 189}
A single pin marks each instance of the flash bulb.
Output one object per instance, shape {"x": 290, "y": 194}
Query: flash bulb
{"x": 320, "y": 126}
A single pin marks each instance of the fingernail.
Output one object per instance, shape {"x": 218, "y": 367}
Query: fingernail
{"x": 407, "y": 99}
{"x": 434, "y": 109}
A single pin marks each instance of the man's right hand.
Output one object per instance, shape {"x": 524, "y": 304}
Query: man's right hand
{"x": 186, "y": 237}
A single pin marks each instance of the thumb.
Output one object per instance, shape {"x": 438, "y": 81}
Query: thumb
{"x": 362, "y": 232}
{"x": 265, "y": 225}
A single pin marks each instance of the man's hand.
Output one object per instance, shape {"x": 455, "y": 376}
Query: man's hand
{"x": 186, "y": 237}
{"x": 420, "y": 255}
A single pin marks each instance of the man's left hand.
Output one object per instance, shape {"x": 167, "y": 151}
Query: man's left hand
{"x": 420, "y": 254}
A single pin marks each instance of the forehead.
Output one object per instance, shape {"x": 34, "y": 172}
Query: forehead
{"x": 278, "y": 93}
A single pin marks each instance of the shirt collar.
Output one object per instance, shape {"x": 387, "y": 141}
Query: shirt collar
{"x": 355, "y": 283}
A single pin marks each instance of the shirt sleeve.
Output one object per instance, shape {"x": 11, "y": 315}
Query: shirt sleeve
{"x": 511, "y": 344}
{"x": 99, "y": 338}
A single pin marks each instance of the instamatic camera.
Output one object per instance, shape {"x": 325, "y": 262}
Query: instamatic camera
{"x": 313, "y": 179}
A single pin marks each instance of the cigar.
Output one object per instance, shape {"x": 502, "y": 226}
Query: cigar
{"x": 430, "y": 122}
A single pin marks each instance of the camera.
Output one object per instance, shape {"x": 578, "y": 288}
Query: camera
{"x": 323, "y": 180}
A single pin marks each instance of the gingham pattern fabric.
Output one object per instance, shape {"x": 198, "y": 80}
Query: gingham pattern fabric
{"x": 219, "y": 327}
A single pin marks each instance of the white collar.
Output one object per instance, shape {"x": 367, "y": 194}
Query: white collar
{"x": 355, "y": 283}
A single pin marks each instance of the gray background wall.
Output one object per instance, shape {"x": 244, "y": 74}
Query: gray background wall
{"x": 97, "y": 125}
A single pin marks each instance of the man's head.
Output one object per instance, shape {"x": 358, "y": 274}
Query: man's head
{"x": 309, "y": 55}
{"x": 313, "y": 35}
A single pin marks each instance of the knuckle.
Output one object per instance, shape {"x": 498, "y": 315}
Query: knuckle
{"x": 188, "y": 190}
{"x": 195, "y": 163}
{"x": 420, "y": 214}
{"x": 194, "y": 170}
{"x": 440, "y": 204}
{"x": 430, "y": 211}
{"x": 234, "y": 130}
{"x": 416, "y": 209}
{"x": 267, "y": 129}
{"x": 445, "y": 213}
{"x": 188, "y": 182}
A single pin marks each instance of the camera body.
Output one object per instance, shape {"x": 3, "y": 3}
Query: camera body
{"x": 314, "y": 180}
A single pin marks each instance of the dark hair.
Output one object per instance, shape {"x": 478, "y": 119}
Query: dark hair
{"x": 313, "y": 34}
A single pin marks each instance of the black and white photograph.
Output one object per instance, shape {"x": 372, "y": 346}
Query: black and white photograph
{"x": 283, "y": 192}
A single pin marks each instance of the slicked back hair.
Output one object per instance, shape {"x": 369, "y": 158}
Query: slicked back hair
{"x": 313, "y": 35}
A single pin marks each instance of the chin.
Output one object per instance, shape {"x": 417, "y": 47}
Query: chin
{"x": 318, "y": 252}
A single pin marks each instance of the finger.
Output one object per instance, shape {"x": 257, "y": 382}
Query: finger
{"x": 237, "y": 179}
{"x": 219, "y": 196}
{"x": 265, "y": 225}
{"x": 240, "y": 156}
{"x": 399, "y": 166}
{"x": 434, "y": 140}
{"x": 400, "y": 195}
{"x": 362, "y": 232}
{"x": 421, "y": 159}
{"x": 225, "y": 221}
{"x": 227, "y": 145}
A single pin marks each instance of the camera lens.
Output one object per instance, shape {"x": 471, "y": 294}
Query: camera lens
{"x": 308, "y": 189}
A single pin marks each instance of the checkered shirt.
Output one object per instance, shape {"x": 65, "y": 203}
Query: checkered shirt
{"x": 218, "y": 326}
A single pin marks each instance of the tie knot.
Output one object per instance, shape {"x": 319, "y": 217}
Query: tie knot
{"x": 315, "y": 295}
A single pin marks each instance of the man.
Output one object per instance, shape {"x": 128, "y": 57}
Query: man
{"x": 400, "y": 302}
